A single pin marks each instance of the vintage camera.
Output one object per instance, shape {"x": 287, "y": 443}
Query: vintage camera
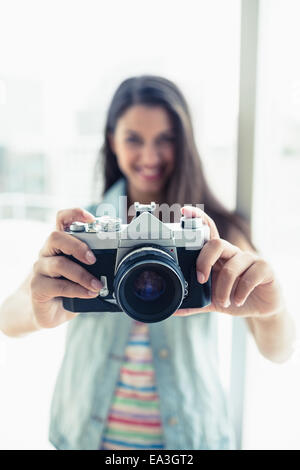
{"x": 147, "y": 267}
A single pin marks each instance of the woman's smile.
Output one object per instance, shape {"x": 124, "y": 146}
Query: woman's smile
{"x": 153, "y": 173}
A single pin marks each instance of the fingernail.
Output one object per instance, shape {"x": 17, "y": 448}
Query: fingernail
{"x": 239, "y": 304}
{"x": 96, "y": 285}
{"x": 90, "y": 257}
{"x": 226, "y": 304}
{"x": 91, "y": 293}
{"x": 200, "y": 277}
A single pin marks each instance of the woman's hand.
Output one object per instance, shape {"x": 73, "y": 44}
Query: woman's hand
{"x": 46, "y": 287}
{"x": 243, "y": 284}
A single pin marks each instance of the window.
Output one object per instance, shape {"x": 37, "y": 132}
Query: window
{"x": 272, "y": 391}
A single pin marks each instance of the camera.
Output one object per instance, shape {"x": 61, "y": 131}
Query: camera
{"x": 147, "y": 267}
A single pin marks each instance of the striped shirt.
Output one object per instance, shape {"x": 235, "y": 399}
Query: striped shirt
{"x": 134, "y": 417}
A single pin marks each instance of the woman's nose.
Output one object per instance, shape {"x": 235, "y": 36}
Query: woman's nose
{"x": 150, "y": 154}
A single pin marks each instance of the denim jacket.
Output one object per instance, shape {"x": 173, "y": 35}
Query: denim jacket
{"x": 193, "y": 404}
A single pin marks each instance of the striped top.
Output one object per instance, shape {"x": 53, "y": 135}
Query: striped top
{"x": 134, "y": 417}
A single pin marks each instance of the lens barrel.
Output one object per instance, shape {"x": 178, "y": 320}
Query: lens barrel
{"x": 149, "y": 285}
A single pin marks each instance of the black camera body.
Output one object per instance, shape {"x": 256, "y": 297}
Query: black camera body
{"x": 147, "y": 267}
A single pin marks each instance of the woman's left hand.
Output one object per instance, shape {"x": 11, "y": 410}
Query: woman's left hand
{"x": 243, "y": 284}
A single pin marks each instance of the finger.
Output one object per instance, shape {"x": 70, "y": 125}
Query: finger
{"x": 259, "y": 273}
{"x": 62, "y": 242}
{"x": 231, "y": 270}
{"x": 44, "y": 288}
{"x": 212, "y": 251}
{"x": 65, "y": 217}
{"x": 56, "y": 266}
{"x": 190, "y": 211}
{"x": 185, "y": 312}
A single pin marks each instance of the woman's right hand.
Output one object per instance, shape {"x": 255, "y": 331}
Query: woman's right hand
{"x": 46, "y": 287}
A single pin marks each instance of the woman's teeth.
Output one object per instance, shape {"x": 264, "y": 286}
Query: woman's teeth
{"x": 150, "y": 171}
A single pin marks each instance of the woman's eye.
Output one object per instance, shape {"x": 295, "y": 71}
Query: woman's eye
{"x": 161, "y": 141}
{"x": 133, "y": 140}
{"x": 167, "y": 140}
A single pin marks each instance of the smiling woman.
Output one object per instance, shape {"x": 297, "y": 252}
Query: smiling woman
{"x": 126, "y": 385}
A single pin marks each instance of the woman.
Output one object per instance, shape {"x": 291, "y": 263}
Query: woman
{"x": 124, "y": 384}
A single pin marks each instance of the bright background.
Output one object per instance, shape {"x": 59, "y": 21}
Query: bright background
{"x": 60, "y": 63}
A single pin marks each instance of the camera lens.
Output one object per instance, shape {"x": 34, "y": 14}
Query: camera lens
{"x": 149, "y": 285}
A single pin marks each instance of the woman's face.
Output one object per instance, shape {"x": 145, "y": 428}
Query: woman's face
{"x": 144, "y": 143}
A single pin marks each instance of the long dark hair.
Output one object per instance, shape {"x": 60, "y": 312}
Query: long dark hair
{"x": 187, "y": 184}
